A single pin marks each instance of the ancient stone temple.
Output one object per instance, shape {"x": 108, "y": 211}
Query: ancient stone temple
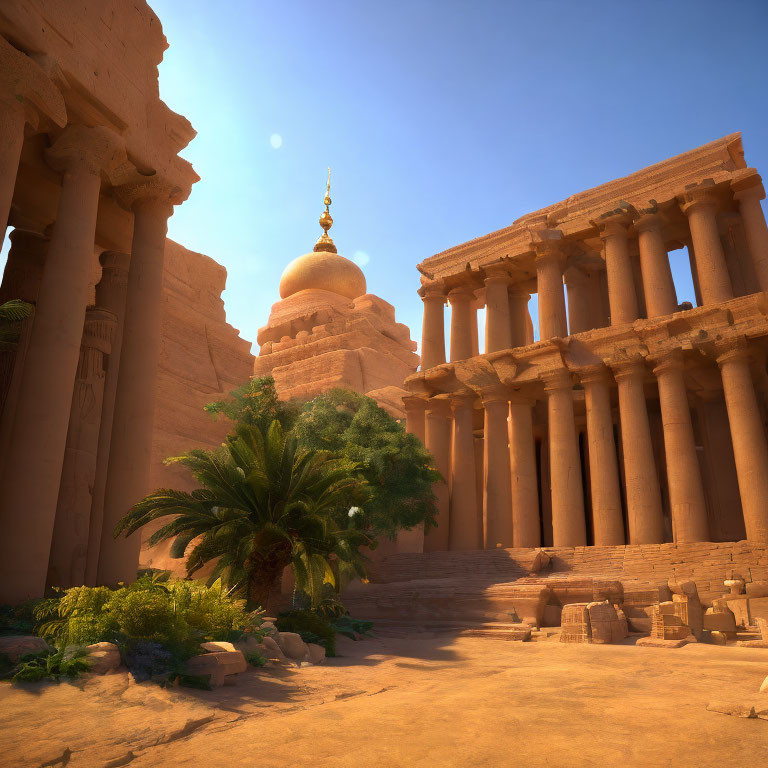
{"x": 634, "y": 419}
{"x": 328, "y": 331}
{"x": 89, "y": 175}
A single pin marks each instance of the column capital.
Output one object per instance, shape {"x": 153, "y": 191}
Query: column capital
{"x": 748, "y": 185}
{"x": 463, "y": 292}
{"x": 415, "y": 403}
{"x": 733, "y": 349}
{"x": 439, "y": 405}
{"x": 154, "y": 193}
{"x": 517, "y": 291}
{"x": 464, "y": 398}
{"x": 96, "y": 150}
{"x": 645, "y": 222}
{"x": 592, "y": 374}
{"x": 613, "y": 223}
{"x": 116, "y": 261}
{"x": 99, "y": 329}
{"x": 491, "y": 395}
{"x": 495, "y": 274}
{"x": 432, "y": 291}
{"x": 548, "y": 245}
{"x": 671, "y": 360}
{"x": 697, "y": 196}
{"x": 628, "y": 368}
{"x": 557, "y": 380}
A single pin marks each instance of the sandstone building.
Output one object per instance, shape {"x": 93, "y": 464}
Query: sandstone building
{"x": 633, "y": 420}
{"x": 125, "y": 323}
{"x": 328, "y": 331}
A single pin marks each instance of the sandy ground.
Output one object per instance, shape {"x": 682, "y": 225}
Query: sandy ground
{"x": 426, "y": 701}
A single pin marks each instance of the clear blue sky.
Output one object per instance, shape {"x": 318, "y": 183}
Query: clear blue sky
{"x": 442, "y": 120}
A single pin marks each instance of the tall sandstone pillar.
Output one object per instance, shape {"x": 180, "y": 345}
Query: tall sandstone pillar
{"x": 110, "y": 296}
{"x": 497, "y": 490}
{"x": 622, "y": 295}
{"x": 462, "y": 305}
{"x": 700, "y": 206}
{"x": 526, "y": 530}
{"x": 131, "y": 442}
{"x": 33, "y": 467}
{"x": 607, "y": 517}
{"x": 518, "y": 316}
{"x": 553, "y": 321}
{"x": 67, "y": 564}
{"x": 658, "y": 286}
{"x": 413, "y": 540}
{"x": 433, "y": 327}
{"x": 579, "y": 307}
{"x": 749, "y": 192}
{"x": 438, "y": 442}
{"x": 466, "y": 527}
{"x": 643, "y": 494}
{"x": 686, "y": 492}
{"x": 568, "y": 524}
{"x": 497, "y": 323}
{"x": 748, "y": 436}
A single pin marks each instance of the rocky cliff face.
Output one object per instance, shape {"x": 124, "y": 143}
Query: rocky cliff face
{"x": 202, "y": 357}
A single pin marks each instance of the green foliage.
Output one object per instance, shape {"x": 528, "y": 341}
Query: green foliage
{"x": 256, "y": 404}
{"x": 312, "y": 627}
{"x": 54, "y": 665}
{"x": 17, "y": 620}
{"x": 11, "y": 315}
{"x": 264, "y": 503}
{"x": 346, "y": 625}
{"x": 330, "y": 608}
{"x": 255, "y": 659}
{"x": 76, "y": 617}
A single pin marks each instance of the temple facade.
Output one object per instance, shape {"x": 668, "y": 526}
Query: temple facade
{"x": 89, "y": 175}
{"x": 634, "y": 419}
{"x": 327, "y": 331}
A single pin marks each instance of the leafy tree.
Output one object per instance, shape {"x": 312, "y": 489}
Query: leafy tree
{"x": 256, "y": 403}
{"x": 265, "y": 502}
{"x": 11, "y": 314}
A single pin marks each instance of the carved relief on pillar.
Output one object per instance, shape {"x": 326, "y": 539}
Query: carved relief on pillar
{"x": 700, "y": 204}
{"x": 70, "y": 539}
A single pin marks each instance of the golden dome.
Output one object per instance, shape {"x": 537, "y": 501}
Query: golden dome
{"x": 324, "y": 271}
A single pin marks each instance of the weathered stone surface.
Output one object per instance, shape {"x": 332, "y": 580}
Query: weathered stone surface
{"x": 734, "y": 708}
{"x": 16, "y": 646}
{"x": 218, "y": 665}
{"x": 103, "y": 657}
{"x": 316, "y": 653}
{"x": 217, "y": 645}
{"x": 292, "y": 645}
{"x": 657, "y": 642}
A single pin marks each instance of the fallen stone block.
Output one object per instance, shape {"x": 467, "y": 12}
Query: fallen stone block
{"x": 316, "y": 653}
{"x": 657, "y": 642}
{"x": 103, "y": 657}
{"x": 16, "y": 646}
{"x": 217, "y": 645}
{"x": 292, "y": 645}
{"x": 218, "y": 665}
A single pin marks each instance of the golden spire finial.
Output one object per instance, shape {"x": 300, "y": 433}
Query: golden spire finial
{"x": 324, "y": 242}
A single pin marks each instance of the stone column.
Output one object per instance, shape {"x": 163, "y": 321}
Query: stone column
{"x": 646, "y": 523}
{"x": 700, "y": 206}
{"x": 462, "y": 301}
{"x": 526, "y": 529}
{"x": 497, "y": 492}
{"x": 549, "y": 277}
{"x": 33, "y": 466}
{"x": 622, "y": 296}
{"x": 466, "y": 528}
{"x": 438, "y": 441}
{"x": 497, "y": 324}
{"x": 67, "y": 564}
{"x": 686, "y": 492}
{"x": 12, "y": 121}
{"x": 568, "y": 524}
{"x": 658, "y": 286}
{"x": 579, "y": 305}
{"x": 414, "y": 415}
{"x": 749, "y": 192}
{"x": 473, "y": 327}
{"x": 110, "y": 295}
{"x": 748, "y": 435}
{"x": 130, "y": 451}
{"x": 607, "y": 517}
{"x": 433, "y": 327}
{"x": 518, "y": 316}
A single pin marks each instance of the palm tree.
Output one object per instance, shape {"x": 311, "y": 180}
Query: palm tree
{"x": 11, "y": 314}
{"x": 264, "y": 504}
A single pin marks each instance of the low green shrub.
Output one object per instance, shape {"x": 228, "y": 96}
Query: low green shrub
{"x": 255, "y": 659}
{"x": 346, "y": 625}
{"x": 54, "y": 665}
{"x": 312, "y": 628}
{"x": 17, "y": 620}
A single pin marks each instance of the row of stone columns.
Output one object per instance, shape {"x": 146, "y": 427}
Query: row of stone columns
{"x": 506, "y": 303}
{"x": 509, "y": 514}
{"x": 61, "y": 390}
